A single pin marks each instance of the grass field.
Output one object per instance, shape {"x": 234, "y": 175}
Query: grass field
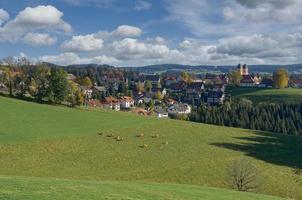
{"x": 12, "y": 188}
{"x": 268, "y": 95}
{"x": 58, "y": 142}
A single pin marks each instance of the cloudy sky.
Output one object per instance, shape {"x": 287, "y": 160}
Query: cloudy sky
{"x": 143, "y": 32}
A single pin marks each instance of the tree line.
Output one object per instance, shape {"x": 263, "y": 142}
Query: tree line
{"x": 283, "y": 118}
{"x": 39, "y": 82}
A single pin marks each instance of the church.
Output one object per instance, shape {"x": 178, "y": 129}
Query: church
{"x": 248, "y": 80}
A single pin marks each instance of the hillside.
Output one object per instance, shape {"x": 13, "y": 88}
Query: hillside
{"x": 58, "y": 142}
{"x": 258, "y": 95}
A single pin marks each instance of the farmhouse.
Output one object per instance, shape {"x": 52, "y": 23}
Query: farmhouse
{"x": 126, "y": 102}
{"x": 111, "y": 103}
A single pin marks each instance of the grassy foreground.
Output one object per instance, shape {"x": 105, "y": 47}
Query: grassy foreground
{"x": 258, "y": 95}
{"x": 58, "y": 142}
{"x": 17, "y": 188}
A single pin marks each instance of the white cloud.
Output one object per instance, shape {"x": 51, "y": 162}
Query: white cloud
{"x": 129, "y": 48}
{"x": 83, "y": 43}
{"x": 142, "y": 5}
{"x": 127, "y": 31}
{"x": 39, "y": 39}
{"x": 73, "y": 58}
{"x": 4, "y": 16}
{"x": 259, "y": 11}
{"x": 31, "y": 19}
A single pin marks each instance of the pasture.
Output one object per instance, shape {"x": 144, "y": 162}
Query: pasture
{"x": 79, "y": 144}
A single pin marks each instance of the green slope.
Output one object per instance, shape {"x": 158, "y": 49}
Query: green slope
{"x": 258, "y": 95}
{"x": 17, "y": 188}
{"x": 48, "y": 141}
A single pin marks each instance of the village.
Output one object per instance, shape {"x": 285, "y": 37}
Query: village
{"x": 166, "y": 95}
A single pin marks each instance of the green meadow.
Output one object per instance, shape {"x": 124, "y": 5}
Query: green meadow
{"x": 258, "y": 95}
{"x": 48, "y": 189}
{"x": 54, "y": 151}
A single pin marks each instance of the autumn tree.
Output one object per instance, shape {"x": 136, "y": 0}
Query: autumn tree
{"x": 186, "y": 77}
{"x": 159, "y": 95}
{"x": 86, "y": 81}
{"x": 75, "y": 97}
{"x": 235, "y": 77}
{"x": 140, "y": 87}
{"x": 280, "y": 79}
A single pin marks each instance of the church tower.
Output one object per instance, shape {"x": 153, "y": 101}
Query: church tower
{"x": 243, "y": 69}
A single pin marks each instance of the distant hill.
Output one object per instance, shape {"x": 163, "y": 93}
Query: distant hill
{"x": 294, "y": 68}
{"x": 161, "y": 68}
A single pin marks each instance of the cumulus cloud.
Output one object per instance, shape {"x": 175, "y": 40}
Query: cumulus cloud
{"x": 127, "y": 31}
{"x": 39, "y": 39}
{"x": 4, "y": 16}
{"x": 73, "y": 58}
{"x": 142, "y": 5}
{"x": 129, "y": 48}
{"x": 83, "y": 43}
{"x": 32, "y": 19}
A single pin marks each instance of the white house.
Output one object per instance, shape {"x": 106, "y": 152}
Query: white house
{"x": 179, "y": 109}
{"x": 126, "y": 102}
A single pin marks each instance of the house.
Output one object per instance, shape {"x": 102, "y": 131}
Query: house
{"x": 178, "y": 87}
{"x": 224, "y": 79}
{"x": 154, "y": 91}
{"x": 87, "y": 91}
{"x": 179, "y": 109}
{"x": 249, "y": 81}
{"x": 98, "y": 91}
{"x": 170, "y": 102}
{"x": 154, "y": 79}
{"x": 71, "y": 77}
{"x": 195, "y": 87}
{"x": 219, "y": 88}
{"x": 111, "y": 103}
{"x": 296, "y": 80}
{"x": 215, "y": 97}
{"x": 168, "y": 80}
{"x": 94, "y": 103}
{"x": 126, "y": 102}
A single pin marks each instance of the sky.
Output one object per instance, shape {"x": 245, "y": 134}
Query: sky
{"x": 145, "y": 32}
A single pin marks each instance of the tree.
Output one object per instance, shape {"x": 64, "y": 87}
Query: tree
{"x": 58, "y": 85}
{"x": 140, "y": 87}
{"x": 75, "y": 97}
{"x": 148, "y": 86}
{"x": 86, "y": 82}
{"x": 235, "y": 77}
{"x": 8, "y": 78}
{"x": 280, "y": 78}
{"x": 159, "y": 95}
{"x": 39, "y": 82}
{"x": 243, "y": 175}
{"x": 186, "y": 77}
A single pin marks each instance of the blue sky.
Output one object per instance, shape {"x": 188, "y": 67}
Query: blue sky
{"x": 143, "y": 32}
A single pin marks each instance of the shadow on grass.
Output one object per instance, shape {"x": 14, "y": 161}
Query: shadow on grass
{"x": 272, "y": 148}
